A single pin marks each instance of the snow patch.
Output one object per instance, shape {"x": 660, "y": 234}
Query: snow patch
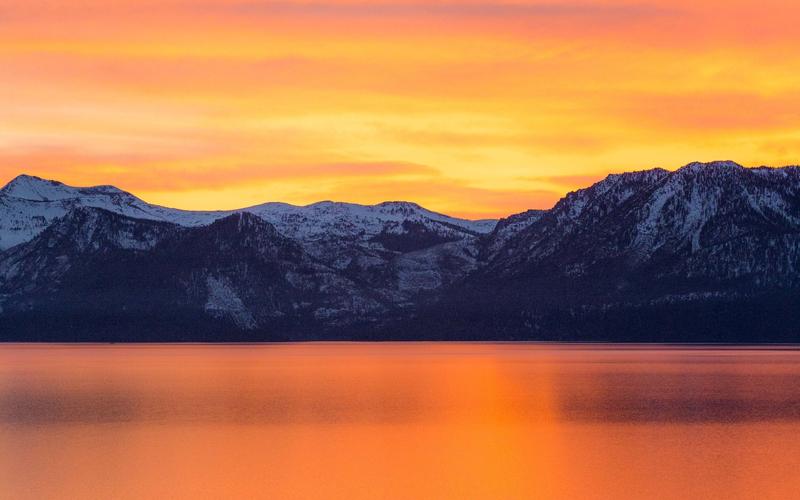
{"x": 223, "y": 302}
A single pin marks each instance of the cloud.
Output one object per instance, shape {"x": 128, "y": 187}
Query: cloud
{"x": 162, "y": 172}
{"x": 713, "y": 111}
{"x": 785, "y": 149}
{"x": 572, "y": 143}
{"x": 576, "y": 181}
{"x": 456, "y": 9}
{"x": 191, "y": 178}
{"x": 360, "y": 182}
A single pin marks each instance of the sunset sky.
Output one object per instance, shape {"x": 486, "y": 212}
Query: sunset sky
{"x": 472, "y": 108}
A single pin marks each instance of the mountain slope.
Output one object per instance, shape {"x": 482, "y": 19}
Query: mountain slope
{"x": 718, "y": 221}
{"x": 649, "y": 245}
{"x": 361, "y": 241}
{"x": 709, "y": 252}
{"x": 111, "y": 276}
{"x": 74, "y": 240}
{"x": 29, "y": 204}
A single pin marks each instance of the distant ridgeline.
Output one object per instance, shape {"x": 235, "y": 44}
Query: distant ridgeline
{"x": 710, "y": 252}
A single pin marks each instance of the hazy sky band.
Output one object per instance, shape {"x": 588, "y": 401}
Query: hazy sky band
{"x": 449, "y": 10}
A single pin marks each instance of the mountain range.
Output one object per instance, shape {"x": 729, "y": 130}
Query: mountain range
{"x": 708, "y": 252}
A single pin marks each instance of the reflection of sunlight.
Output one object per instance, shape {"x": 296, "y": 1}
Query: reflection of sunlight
{"x": 396, "y": 421}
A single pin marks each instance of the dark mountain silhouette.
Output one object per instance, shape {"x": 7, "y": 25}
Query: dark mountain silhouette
{"x": 709, "y": 252}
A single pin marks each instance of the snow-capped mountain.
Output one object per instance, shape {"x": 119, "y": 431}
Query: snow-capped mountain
{"x": 707, "y": 252}
{"x": 28, "y": 204}
{"x": 710, "y": 251}
{"x": 54, "y": 235}
{"x": 716, "y": 219}
{"x": 94, "y": 266}
{"x": 363, "y": 241}
{"x": 81, "y": 235}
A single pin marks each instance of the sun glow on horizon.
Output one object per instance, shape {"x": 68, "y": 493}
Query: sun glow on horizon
{"x": 471, "y": 108}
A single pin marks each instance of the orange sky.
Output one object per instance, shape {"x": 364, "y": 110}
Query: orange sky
{"x": 473, "y": 108}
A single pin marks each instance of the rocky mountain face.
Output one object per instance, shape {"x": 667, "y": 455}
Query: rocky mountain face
{"x": 29, "y": 204}
{"x": 716, "y": 222}
{"x": 706, "y": 252}
{"x": 104, "y": 274}
{"x": 103, "y": 256}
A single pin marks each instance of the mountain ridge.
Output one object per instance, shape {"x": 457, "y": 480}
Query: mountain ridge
{"x": 47, "y": 199}
{"x": 647, "y": 255}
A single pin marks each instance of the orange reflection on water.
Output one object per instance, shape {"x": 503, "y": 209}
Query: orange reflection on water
{"x": 417, "y": 420}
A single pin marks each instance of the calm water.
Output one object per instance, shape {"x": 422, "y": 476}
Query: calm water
{"x": 398, "y": 421}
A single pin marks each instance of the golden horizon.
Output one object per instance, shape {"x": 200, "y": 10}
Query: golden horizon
{"x": 477, "y": 108}
{"x": 588, "y": 182}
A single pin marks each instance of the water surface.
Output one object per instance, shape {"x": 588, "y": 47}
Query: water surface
{"x": 398, "y": 420}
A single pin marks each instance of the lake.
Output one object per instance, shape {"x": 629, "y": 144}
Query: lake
{"x": 398, "y": 420}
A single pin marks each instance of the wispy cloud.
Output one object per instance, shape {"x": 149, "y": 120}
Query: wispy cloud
{"x": 567, "y": 181}
{"x": 454, "y": 9}
{"x": 714, "y": 111}
{"x": 187, "y": 177}
{"x": 134, "y": 171}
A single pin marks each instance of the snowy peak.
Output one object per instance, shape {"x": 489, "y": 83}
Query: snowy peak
{"x": 401, "y": 207}
{"x": 710, "y": 167}
{"x": 28, "y": 187}
{"x": 607, "y": 195}
{"x": 29, "y": 204}
{"x": 657, "y": 244}
{"x": 32, "y": 188}
{"x": 370, "y": 218}
{"x": 725, "y": 195}
{"x": 636, "y": 219}
{"x": 618, "y": 187}
{"x": 692, "y": 191}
